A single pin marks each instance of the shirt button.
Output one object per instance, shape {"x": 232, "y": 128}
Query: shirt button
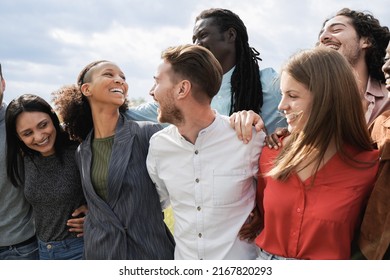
{"x": 299, "y": 210}
{"x": 48, "y": 246}
{"x": 197, "y": 180}
{"x": 196, "y": 152}
{"x": 200, "y": 235}
{"x": 198, "y": 208}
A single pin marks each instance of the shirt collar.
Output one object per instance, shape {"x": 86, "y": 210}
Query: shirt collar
{"x": 376, "y": 88}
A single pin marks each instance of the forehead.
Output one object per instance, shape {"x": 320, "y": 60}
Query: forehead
{"x": 163, "y": 69}
{"x": 105, "y": 66}
{"x": 26, "y": 119}
{"x": 207, "y": 23}
{"x": 289, "y": 83}
{"x": 338, "y": 20}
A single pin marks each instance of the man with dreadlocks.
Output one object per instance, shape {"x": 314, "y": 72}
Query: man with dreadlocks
{"x": 244, "y": 85}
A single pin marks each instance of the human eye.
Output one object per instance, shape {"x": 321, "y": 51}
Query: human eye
{"x": 292, "y": 95}
{"x": 43, "y": 124}
{"x": 108, "y": 74}
{"x": 25, "y": 134}
{"x": 203, "y": 35}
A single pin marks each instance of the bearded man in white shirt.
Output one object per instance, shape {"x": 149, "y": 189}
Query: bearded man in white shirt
{"x": 198, "y": 164}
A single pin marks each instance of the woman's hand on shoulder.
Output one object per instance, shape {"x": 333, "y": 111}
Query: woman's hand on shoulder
{"x": 243, "y": 122}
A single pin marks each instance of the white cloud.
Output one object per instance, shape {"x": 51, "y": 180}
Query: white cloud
{"x": 46, "y": 43}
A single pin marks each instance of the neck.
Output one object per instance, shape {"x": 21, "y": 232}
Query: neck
{"x": 196, "y": 120}
{"x": 361, "y": 71}
{"x": 104, "y": 122}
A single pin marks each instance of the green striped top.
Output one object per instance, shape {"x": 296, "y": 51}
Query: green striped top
{"x": 101, "y": 154}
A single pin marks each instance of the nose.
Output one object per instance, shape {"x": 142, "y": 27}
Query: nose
{"x": 283, "y": 106}
{"x": 386, "y": 67}
{"x": 119, "y": 80}
{"x": 39, "y": 136}
{"x": 151, "y": 91}
{"x": 197, "y": 41}
{"x": 324, "y": 36}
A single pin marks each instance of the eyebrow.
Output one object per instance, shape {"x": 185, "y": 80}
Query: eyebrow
{"x": 29, "y": 129}
{"x": 332, "y": 26}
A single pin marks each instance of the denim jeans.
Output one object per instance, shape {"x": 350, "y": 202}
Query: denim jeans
{"x": 21, "y": 251}
{"x": 264, "y": 255}
{"x": 68, "y": 249}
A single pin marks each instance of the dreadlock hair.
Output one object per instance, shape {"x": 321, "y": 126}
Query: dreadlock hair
{"x": 247, "y": 93}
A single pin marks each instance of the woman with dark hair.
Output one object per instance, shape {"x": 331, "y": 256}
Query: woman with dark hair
{"x": 40, "y": 158}
{"x": 125, "y": 219}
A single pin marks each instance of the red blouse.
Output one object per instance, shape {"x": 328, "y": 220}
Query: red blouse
{"x": 315, "y": 222}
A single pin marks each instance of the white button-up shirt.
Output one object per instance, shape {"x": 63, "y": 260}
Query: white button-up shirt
{"x": 211, "y": 186}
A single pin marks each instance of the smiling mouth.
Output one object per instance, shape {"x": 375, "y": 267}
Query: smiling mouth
{"x": 293, "y": 116}
{"x": 44, "y": 142}
{"x": 117, "y": 90}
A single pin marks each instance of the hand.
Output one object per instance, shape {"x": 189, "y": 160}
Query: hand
{"x": 77, "y": 224}
{"x": 273, "y": 140}
{"x": 243, "y": 123}
{"x": 251, "y": 228}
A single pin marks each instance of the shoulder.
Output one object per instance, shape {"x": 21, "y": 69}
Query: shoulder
{"x": 268, "y": 73}
{"x": 167, "y": 133}
{"x": 380, "y": 129}
{"x": 143, "y": 129}
{"x": 269, "y": 81}
{"x": 362, "y": 155}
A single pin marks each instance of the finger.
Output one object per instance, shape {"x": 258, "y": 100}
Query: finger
{"x": 232, "y": 120}
{"x": 76, "y": 230}
{"x": 76, "y": 221}
{"x": 238, "y": 127}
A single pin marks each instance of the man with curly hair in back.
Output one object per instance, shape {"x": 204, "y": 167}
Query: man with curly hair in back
{"x": 360, "y": 38}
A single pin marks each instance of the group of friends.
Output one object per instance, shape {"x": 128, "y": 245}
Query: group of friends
{"x": 89, "y": 178}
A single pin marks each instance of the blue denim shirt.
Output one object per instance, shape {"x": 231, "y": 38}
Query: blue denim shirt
{"x": 221, "y": 102}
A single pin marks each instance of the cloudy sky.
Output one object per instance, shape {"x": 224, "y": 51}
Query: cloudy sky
{"x": 45, "y": 43}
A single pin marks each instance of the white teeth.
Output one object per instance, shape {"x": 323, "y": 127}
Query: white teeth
{"x": 117, "y": 90}
{"x": 43, "y": 142}
{"x": 333, "y": 47}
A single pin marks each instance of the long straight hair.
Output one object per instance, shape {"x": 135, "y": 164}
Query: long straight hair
{"x": 336, "y": 114}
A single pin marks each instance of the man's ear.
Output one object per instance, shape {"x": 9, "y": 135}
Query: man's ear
{"x": 366, "y": 43}
{"x": 184, "y": 89}
{"x": 232, "y": 34}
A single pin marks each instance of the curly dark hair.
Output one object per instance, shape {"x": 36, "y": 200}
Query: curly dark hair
{"x": 73, "y": 107}
{"x": 366, "y": 25}
{"x": 247, "y": 93}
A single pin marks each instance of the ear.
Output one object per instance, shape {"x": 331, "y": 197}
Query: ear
{"x": 366, "y": 43}
{"x": 231, "y": 34}
{"x": 85, "y": 89}
{"x": 184, "y": 89}
{"x": 3, "y": 84}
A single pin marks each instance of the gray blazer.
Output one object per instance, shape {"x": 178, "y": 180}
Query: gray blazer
{"x": 130, "y": 224}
